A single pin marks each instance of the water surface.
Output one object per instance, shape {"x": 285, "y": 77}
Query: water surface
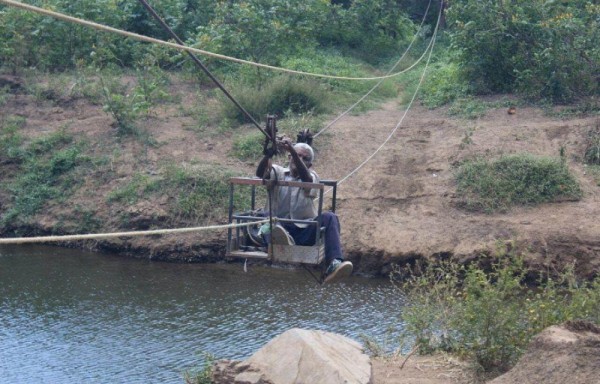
{"x": 70, "y": 316}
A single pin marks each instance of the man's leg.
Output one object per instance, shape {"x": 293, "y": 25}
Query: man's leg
{"x": 307, "y": 236}
{"x": 333, "y": 245}
{"x": 302, "y": 236}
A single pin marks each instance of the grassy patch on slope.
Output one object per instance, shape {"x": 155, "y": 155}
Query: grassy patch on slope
{"x": 522, "y": 179}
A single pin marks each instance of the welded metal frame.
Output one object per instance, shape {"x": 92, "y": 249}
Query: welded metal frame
{"x": 280, "y": 253}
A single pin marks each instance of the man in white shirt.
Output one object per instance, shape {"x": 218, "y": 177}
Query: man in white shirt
{"x": 298, "y": 203}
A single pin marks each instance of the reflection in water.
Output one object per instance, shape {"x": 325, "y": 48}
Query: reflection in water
{"x": 69, "y": 316}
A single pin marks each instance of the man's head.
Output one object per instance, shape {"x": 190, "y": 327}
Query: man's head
{"x": 306, "y": 153}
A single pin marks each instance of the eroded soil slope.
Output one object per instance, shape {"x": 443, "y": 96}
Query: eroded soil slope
{"x": 399, "y": 206}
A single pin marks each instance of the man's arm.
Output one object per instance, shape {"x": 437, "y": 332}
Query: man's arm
{"x": 264, "y": 168}
{"x": 303, "y": 171}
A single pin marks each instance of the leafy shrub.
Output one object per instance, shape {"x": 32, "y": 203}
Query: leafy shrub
{"x": 374, "y": 28}
{"x": 52, "y": 44}
{"x": 261, "y": 30}
{"x": 126, "y": 103}
{"x": 443, "y": 85}
{"x": 543, "y": 50}
{"x": 120, "y": 104}
{"x": 489, "y": 315}
{"x": 522, "y": 179}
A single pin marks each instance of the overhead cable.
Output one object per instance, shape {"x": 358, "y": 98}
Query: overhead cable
{"x": 181, "y": 47}
{"x": 202, "y": 66}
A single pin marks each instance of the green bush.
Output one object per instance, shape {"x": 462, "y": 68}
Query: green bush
{"x": 543, "y": 50}
{"x": 46, "y": 167}
{"x": 522, "y": 179}
{"x": 443, "y": 85}
{"x": 489, "y": 315}
{"x": 127, "y": 104}
{"x": 281, "y": 95}
{"x": 31, "y": 40}
{"x": 375, "y": 29}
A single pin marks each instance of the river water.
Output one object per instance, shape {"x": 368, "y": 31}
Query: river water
{"x": 70, "y": 316}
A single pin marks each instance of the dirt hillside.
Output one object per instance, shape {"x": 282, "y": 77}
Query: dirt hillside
{"x": 402, "y": 204}
{"x": 399, "y": 206}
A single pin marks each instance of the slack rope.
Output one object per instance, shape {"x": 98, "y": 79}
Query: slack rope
{"x": 135, "y": 36}
{"x": 94, "y": 236}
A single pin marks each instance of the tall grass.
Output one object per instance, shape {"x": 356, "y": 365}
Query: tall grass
{"x": 45, "y": 172}
{"x": 592, "y": 150}
{"x": 521, "y": 179}
{"x": 277, "y": 97}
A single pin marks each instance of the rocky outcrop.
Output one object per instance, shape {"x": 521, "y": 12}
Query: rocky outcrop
{"x": 560, "y": 354}
{"x": 300, "y": 356}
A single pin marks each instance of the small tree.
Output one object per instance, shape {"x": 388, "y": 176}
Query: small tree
{"x": 542, "y": 49}
{"x": 261, "y": 30}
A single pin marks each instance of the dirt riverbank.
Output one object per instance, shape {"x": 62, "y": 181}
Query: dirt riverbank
{"x": 400, "y": 206}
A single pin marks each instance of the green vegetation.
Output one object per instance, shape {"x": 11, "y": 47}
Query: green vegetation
{"x": 132, "y": 191}
{"x": 195, "y": 193}
{"x": 199, "y": 193}
{"x": 443, "y": 85}
{"x": 11, "y": 140}
{"x": 483, "y": 48}
{"x": 281, "y": 95}
{"x": 522, "y": 179}
{"x": 46, "y": 170}
{"x": 592, "y": 153}
{"x": 541, "y": 50}
{"x": 489, "y": 315}
{"x": 249, "y": 146}
{"x": 592, "y": 150}
{"x": 202, "y": 375}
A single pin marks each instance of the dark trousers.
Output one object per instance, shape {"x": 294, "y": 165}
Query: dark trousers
{"x": 307, "y": 236}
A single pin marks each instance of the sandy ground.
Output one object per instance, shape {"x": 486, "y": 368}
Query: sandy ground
{"x": 438, "y": 369}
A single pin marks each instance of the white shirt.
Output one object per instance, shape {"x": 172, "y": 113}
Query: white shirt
{"x": 293, "y": 202}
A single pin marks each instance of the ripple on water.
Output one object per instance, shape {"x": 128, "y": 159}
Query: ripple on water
{"x": 70, "y": 316}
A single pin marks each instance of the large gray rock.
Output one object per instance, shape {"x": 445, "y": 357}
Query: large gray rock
{"x": 300, "y": 356}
